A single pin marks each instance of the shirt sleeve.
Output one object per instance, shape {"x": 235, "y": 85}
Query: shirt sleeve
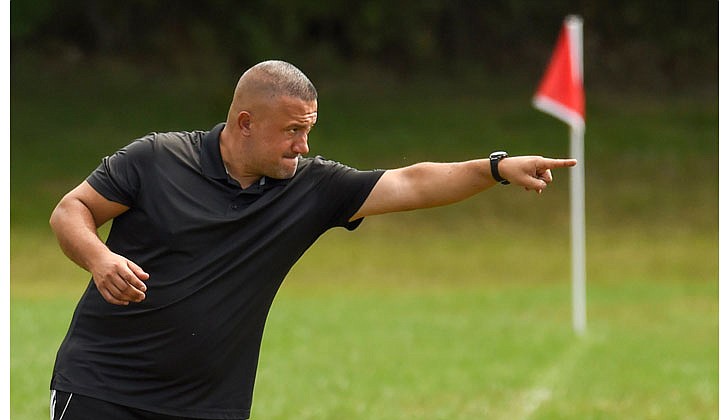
{"x": 345, "y": 191}
{"x": 119, "y": 177}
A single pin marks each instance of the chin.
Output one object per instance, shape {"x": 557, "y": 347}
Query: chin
{"x": 287, "y": 171}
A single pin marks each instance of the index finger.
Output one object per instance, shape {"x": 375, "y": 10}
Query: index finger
{"x": 559, "y": 163}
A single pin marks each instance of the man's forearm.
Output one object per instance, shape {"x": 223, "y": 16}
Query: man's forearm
{"x": 425, "y": 185}
{"x": 76, "y": 231}
{"x": 118, "y": 280}
{"x": 438, "y": 184}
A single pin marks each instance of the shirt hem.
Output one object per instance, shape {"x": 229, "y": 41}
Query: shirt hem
{"x": 201, "y": 414}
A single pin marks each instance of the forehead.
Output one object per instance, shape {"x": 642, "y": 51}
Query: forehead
{"x": 298, "y": 109}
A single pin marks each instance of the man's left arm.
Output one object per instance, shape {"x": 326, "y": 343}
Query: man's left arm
{"x": 427, "y": 184}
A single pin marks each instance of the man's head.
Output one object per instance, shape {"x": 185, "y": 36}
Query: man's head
{"x": 273, "y": 109}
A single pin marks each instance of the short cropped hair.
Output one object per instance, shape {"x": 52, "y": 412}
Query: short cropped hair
{"x": 274, "y": 78}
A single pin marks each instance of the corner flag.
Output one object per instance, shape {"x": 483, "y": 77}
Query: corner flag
{"x": 561, "y": 94}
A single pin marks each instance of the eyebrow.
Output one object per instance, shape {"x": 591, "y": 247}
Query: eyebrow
{"x": 304, "y": 122}
{"x": 300, "y": 124}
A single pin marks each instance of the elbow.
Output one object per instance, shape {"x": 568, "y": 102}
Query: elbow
{"x": 56, "y": 217}
{"x": 60, "y": 215}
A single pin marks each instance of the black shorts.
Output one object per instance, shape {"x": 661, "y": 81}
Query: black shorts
{"x": 71, "y": 406}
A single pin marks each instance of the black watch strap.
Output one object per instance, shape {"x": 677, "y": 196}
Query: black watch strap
{"x": 495, "y": 158}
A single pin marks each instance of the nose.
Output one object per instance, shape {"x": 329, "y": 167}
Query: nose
{"x": 301, "y": 145}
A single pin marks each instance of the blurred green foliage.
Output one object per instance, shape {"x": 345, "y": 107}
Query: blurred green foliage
{"x": 641, "y": 43}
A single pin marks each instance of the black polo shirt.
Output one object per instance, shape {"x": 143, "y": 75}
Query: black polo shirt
{"x": 216, "y": 255}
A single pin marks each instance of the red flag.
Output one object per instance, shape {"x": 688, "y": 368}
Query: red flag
{"x": 561, "y": 92}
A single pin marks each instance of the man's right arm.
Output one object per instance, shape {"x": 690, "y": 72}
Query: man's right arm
{"x": 75, "y": 221}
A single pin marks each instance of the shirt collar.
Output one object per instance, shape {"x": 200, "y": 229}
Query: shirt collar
{"x": 210, "y": 156}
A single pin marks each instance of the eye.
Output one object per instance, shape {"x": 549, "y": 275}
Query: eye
{"x": 295, "y": 130}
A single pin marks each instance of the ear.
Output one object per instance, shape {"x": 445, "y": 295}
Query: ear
{"x": 244, "y": 122}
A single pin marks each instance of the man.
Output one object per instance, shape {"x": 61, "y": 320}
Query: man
{"x": 206, "y": 226}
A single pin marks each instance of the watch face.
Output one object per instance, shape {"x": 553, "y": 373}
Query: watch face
{"x": 498, "y": 155}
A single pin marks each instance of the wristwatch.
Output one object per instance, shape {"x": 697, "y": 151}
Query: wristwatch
{"x": 495, "y": 158}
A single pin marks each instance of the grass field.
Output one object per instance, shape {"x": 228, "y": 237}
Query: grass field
{"x": 451, "y": 313}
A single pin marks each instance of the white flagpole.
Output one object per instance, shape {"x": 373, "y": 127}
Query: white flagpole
{"x": 578, "y": 230}
{"x": 578, "y": 233}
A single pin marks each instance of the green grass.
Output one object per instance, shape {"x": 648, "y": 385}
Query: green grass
{"x": 453, "y": 313}
{"x": 453, "y": 326}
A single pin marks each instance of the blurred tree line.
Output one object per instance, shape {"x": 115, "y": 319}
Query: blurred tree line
{"x": 627, "y": 42}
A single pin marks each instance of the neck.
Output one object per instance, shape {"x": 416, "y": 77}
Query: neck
{"x": 233, "y": 168}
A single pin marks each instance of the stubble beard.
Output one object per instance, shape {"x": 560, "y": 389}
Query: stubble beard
{"x": 288, "y": 171}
